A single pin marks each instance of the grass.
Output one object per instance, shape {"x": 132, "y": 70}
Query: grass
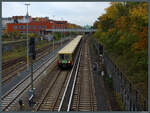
{"x": 13, "y": 54}
{"x": 21, "y": 51}
{"x": 7, "y": 42}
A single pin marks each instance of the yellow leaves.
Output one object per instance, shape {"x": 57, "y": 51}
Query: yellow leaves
{"x": 135, "y": 47}
{"x": 140, "y": 11}
{"x": 121, "y": 23}
{"x": 125, "y": 18}
{"x": 111, "y": 30}
{"x": 122, "y": 37}
{"x": 103, "y": 17}
{"x": 139, "y": 46}
{"x": 142, "y": 40}
{"x": 133, "y": 28}
{"x": 112, "y": 11}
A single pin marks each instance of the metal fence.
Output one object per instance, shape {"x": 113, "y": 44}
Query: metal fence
{"x": 131, "y": 98}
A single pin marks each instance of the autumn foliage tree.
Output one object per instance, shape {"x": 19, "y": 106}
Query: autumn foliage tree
{"x": 123, "y": 30}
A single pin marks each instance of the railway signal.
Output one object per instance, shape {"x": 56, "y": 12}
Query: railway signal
{"x": 32, "y": 48}
{"x": 32, "y": 57}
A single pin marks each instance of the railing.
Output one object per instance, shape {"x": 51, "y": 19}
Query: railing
{"x": 131, "y": 98}
{"x": 72, "y": 30}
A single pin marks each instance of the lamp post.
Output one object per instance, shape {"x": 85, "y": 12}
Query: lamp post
{"x": 31, "y": 92}
{"x": 27, "y": 38}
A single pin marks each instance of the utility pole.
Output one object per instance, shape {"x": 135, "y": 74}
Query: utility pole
{"x": 27, "y": 38}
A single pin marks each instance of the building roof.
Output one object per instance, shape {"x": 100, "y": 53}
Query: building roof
{"x": 69, "y": 48}
{"x": 21, "y": 17}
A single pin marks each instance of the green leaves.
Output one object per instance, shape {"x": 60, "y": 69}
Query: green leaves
{"x": 123, "y": 30}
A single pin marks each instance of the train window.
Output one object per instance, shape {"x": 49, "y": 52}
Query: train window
{"x": 67, "y": 57}
{"x": 61, "y": 56}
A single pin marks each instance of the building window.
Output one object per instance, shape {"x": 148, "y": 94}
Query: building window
{"x": 53, "y": 26}
{"x": 34, "y": 26}
{"x": 15, "y": 27}
{"x": 29, "y": 26}
{"x": 44, "y": 27}
{"x": 34, "y": 32}
{"x": 22, "y": 26}
{"x": 39, "y": 27}
{"x": 21, "y": 32}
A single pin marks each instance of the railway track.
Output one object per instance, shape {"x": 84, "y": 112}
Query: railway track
{"x": 21, "y": 65}
{"x": 81, "y": 95}
{"x": 67, "y": 91}
{"x": 84, "y": 94}
{"x": 12, "y": 96}
{"x": 21, "y": 59}
{"x": 53, "y": 94}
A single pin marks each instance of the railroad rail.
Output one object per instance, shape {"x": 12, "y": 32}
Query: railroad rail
{"x": 20, "y": 66}
{"x": 70, "y": 83}
{"x": 79, "y": 95}
{"x": 55, "y": 93}
{"x": 14, "y": 61}
{"x": 83, "y": 92}
{"x": 10, "y": 98}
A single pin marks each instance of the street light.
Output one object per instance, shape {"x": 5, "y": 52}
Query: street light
{"x": 31, "y": 66}
{"x": 27, "y": 38}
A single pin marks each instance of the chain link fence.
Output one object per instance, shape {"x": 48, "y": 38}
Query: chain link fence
{"x": 131, "y": 98}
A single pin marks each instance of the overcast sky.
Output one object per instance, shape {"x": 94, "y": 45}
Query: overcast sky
{"x": 81, "y": 13}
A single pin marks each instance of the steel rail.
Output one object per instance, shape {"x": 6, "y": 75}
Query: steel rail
{"x": 61, "y": 103}
{"x": 47, "y": 91}
{"x": 53, "y": 54}
{"x": 54, "y": 105}
{"x": 91, "y": 82}
{"x": 72, "y": 91}
{"x": 26, "y": 77}
{"x": 22, "y": 81}
{"x": 17, "y": 95}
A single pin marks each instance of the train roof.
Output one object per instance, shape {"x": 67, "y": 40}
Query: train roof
{"x": 69, "y": 48}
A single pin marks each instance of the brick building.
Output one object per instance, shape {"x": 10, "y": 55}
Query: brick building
{"x": 36, "y": 27}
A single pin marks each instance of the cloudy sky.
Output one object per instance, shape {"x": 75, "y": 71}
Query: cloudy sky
{"x": 81, "y": 13}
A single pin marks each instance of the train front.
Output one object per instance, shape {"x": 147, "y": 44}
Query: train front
{"x": 64, "y": 60}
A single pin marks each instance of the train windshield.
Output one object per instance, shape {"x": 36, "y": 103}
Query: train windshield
{"x": 67, "y": 57}
{"x": 61, "y": 56}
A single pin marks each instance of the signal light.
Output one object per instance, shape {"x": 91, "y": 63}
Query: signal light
{"x": 32, "y": 48}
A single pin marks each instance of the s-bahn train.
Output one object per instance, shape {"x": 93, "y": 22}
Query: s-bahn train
{"x": 66, "y": 56}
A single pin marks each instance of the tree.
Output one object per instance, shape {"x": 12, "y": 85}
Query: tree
{"x": 5, "y": 34}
